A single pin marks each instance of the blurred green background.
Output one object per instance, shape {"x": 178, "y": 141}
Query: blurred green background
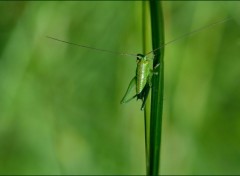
{"x": 60, "y": 109}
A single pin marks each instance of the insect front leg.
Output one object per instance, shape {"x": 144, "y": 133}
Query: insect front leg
{"x": 156, "y": 66}
{"x": 132, "y": 84}
{"x": 153, "y": 71}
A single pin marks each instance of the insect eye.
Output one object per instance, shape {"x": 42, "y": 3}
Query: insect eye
{"x": 139, "y": 57}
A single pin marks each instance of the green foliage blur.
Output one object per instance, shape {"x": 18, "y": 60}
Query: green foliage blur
{"x": 60, "y": 109}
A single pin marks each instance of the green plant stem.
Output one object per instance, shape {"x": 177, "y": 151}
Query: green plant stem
{"x": 146, "y": 116}
{"x": 157, "y": 30}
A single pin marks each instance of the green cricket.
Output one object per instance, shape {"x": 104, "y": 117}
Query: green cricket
{"x": 142, "y": 81}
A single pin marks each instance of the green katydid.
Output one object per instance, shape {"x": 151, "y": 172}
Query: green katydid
{"x": 142, "y": 81}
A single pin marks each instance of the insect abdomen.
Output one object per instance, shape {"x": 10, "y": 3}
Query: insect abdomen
{"x": 142, "y": 73}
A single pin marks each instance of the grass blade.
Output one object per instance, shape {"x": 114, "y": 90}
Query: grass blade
{"x": 146, "y": 36}
{"x": 146, "y": 114}
{"x": 157, "y": 30}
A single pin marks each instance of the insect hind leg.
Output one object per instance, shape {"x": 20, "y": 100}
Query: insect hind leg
{"x": 143, "y": 95}
{"x": 132, "y": 84}
{"x": 127, "y": 100}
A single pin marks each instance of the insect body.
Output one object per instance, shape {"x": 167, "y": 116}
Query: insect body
{"x": 142, "y": 72}
{"x": 142, "y": 81}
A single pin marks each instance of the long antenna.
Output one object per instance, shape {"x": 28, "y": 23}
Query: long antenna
{"x": 135, "y": 55}
{"x": 190, "y": 33}
{"x": 88, "y": 47}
